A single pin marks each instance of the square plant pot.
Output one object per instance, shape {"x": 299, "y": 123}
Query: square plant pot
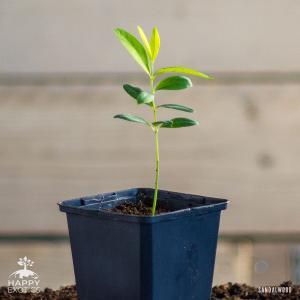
{"x": 169, "y": 256}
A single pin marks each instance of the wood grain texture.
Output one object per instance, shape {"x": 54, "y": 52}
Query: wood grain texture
{"x": 59, "y": 142}
{"x": 76, "y": 35}
{"x": 53, "y": 262}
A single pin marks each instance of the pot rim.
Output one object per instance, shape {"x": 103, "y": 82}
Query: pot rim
{"x": 99, "y": 206}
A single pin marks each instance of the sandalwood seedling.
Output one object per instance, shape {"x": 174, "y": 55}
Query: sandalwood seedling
{"x": 145, "y": 54}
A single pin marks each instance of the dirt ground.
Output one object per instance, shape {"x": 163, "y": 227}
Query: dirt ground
{"x": 230, "y": 291}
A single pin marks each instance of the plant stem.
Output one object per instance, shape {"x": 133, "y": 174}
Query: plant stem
{"x": 156, "y": 163}
{"x": 156, "y": 151}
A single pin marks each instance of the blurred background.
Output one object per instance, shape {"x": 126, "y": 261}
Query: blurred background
{"x": 61, "y": 71}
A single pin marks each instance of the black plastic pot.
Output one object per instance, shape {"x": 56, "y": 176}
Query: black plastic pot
{"x": 169, "y": 256}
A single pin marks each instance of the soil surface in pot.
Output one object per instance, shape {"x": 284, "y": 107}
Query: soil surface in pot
{"x": 141, "y": 208}
{"x": 229, "y": 291}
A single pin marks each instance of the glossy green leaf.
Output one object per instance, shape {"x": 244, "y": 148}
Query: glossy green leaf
{"x": 134, "y": 47}
{"x": 138, "y": 94}
{"x": 176, "y": 123}
{"x": 145, "y": 41}
{"x": 132, "y": 118}
{"x": 154, "y": 43}
{"x": 181, "y": 70}
{"x": 178, "y": 107}
{"x": 174, "y": 83}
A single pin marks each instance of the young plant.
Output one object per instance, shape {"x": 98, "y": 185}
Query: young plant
{"x": 145, "y": 54}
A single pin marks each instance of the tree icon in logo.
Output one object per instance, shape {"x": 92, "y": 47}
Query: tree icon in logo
{"x": 25, "y": 272}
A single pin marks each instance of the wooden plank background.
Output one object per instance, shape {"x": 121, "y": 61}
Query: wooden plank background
{"x": 60, "y": 141}
{"x": 258, "y": 264}
{"x": 58, "y": 138}
{"x": 76, "y": 35}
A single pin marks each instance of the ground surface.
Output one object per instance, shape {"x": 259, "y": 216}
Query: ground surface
{"x": 234, "y": 291}
{"x": 227, "y": 291}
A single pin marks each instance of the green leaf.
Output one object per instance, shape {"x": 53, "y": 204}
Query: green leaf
{"x": 132, "y": 118}
{"x": 178, "y": 107}
{"x": 145, "y": 41}
{"x": 154, "y": 43}
{"x": 181, "y": 70}
{"x": 138, "y": 94}
{"x": 174, "y": 83}
{"x": 134, "y": 47}
{"x": 176, "y": 123}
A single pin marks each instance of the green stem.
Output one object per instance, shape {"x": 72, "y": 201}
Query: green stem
{"x": 156, "y": 163}
{"x": 156, "y": 151}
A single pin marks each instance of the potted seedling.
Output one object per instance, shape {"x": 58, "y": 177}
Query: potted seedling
{"x": 143, "y": 243}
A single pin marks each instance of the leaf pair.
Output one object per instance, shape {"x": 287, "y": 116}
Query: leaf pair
{"x": 152, "y": 48}
{"x": 169, "y": 83}
{"x": 173, "y": 123}
{"x": 142, "y": 55}
{"x": 143, "y": 97}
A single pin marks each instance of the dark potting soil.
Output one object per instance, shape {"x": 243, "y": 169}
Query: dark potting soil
{"x": 141, "y": 208}
{"x": 64, "y": 293}
{"x": 229, "y": 291}
{"x": 235, "y": 291}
